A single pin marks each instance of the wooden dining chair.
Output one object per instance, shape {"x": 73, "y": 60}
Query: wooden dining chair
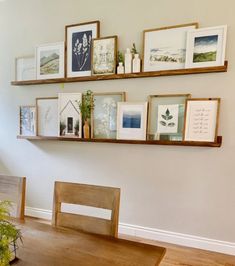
{"x": 86, "y": 195}
{"x": 12, "y": 188}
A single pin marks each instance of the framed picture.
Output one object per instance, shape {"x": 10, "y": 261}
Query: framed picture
{"x": 47, "y": 116}
{"x": 166, "y": 116}
{"x": 50, "y": 61}
{"x": 201, "y": 119}
{"x": 25, "y": 68}
{"x": 132, "y": 120}
{"x": 165, "y": 48}
{"x": 104, "y": 55}
{"x": 104, "y": 114}
{"x": 28, "y": 120}
{"x": 206, "y": 47}
{"x": 70, "y": 119}
{"x": 78, "y": 45}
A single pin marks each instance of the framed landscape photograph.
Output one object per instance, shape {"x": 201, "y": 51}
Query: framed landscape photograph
{"x": 104, "y": 55}
{"x": 104, "y": 114}
{"x": 132, "y": 120}
{"x": 202, "y": 119}
{"x": 28, "y": 120}
{"x": 206, "y": 47}
{"x": 25, "y": 68}
{"x": 165, "y": 48}
{"x": 166, "y": 116}
{"x": 47, "y": 116}
{"x": 50, "y": 61}
{"x": 78, "y": 44}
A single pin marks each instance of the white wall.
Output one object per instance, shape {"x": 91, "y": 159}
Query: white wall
{"x": 187, "y": 190}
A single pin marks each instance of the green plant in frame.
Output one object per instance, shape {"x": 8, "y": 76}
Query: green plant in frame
{"x": 166, "y": 117}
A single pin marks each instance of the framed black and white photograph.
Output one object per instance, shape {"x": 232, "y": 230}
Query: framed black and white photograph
{"x": 27, "y": 120}
{"x": 78, "y": 44}
{"x": 25, "y": 68}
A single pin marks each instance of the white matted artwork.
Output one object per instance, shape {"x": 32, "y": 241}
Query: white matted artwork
{"x": 28, "y": 120}
{"x": 70, "y": 119}
{"x": 47, "y": 116}
{"x": 25, "y": 68}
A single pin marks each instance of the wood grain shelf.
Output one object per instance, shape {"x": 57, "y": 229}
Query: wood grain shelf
{"x": 127, "y": 76}
{"x": 142, "y": 142}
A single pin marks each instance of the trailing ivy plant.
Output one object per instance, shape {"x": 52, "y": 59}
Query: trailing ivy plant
{"x": 86, "y": 105}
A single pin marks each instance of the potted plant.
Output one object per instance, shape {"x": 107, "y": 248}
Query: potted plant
{"x": 120, "y": 68}
{"x": 136, "y": 60}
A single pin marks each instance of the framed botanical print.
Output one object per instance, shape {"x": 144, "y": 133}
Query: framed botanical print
{"x": 104, "y": 55}
{"x": 25, "y": 68}
{"x": 104, "y": 114}
{"x": 28, "y": 120}
{"x": 165, "y": 48}
{"x": 78, "y": 45}
{"x": 166, "y": 116}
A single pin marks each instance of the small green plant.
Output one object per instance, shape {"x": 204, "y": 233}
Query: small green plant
{"x": 77, "y": 127}
{"x": 62, "y": 128}
{"x": 120, "y": 57}
{"x": 86, "y": 105}
{"x": 133, "y": 49}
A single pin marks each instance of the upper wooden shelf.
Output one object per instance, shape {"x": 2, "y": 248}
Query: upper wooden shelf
{"x": 127, "y": 76}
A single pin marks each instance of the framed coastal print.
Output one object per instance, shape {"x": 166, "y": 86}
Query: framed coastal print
{"x": 166, "y": 116}
{"x": 50, "y": 61}
{"x": 104, "y": 55}
{"x": 104, "y": 114}
{"x": 201, "y": 119}
{"x": 47, "y": 116}
{"x": 206, "y": 47}
{"x": 28, "y": 120}
{"x": 70, "y": 119}
{"x": 25, "y": 68}
{"x": 132, "y": 120}
{"x": 165, "y": 48}
{"x": 78, "y": 44}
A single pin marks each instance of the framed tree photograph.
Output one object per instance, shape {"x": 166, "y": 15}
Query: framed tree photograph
{"x": 104, "y": 56}
{"x": 201, "y": 119}
{"x": 78, "y": 45}
{"x": 206, "y": 47}
{"x": 50, "y": 61}
{"x": 27, "y": 120}
{"x": 165, "y": 48}
{"x": 104, "y": 114}
{"x": 47, "y": 116}
{"x": 132, "y": 120}
{"x": 166, "y": 116}
{"x": 25, "y": 68}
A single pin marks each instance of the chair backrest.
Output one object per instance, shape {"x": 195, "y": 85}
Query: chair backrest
{"x": 12, "y": 188}
{"x": 87, "y": 195}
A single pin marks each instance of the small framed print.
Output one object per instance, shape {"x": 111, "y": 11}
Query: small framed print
{"x": 78, "y": 45}
{"x": 104, "y": 114}
{"x": 165, "y": 48}
{"x": 206, "y": 47}
{"x": 47, "y": 116}
{"x": 50, "y": 61}
{"x": 25, "y": 68}
{"x": 104, "y": 56}
{"x": 132, "y": 120}
{"x": 201, "y": 119}
{"x": 166, "y": 116}
{"x": 28, "y": 120}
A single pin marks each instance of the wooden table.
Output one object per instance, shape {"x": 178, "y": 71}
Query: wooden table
{"x": 47, "y": 246}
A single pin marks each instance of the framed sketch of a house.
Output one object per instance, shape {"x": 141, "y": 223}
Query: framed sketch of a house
{"x": 27, "y": 120}
{"x": 78, "y": 44}
{"x": 70, "y": 119}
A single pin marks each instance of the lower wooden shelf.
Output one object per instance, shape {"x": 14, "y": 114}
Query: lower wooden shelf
{"x": 142, "y": 142}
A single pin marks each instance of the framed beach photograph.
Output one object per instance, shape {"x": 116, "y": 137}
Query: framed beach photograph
{"x": 25, "y": 68}
{"x": 27, "y": 120}
{"x": 166, "y": 116}
{"x": 47, "y": 116}
{"x": 78, "y": 45}
{"x": 50, "y": 61}
{"x": 104, "y": 56}
{"x": 132, "y": 120}
{"x": 104, "y": 114}
{"x": 206, "y": 47}
{"x": 165, "y": 48}
{"x": 70, "y": 119}
{"x": 202, "y": 119}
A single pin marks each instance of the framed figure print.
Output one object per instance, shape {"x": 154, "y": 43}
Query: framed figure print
{"x": 201, "y": 119}
{"x": 27, "y": 120}
{"x": 206, "y": 47}
{"x": 25, "y": 68}
{"x": 104, "y": 55}
{"x": 78, "y": 45}
{"x": 50, "y": 61}
{"x": 132, "y": 120}
{"x": 47, "y": 116}
{"x": 165, "y": 48}
{"x": 166, "y": 116}
{"x": 104, "y": 114}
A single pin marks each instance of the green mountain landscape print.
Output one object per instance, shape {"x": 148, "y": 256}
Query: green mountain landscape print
{"x": 49, "y": 62}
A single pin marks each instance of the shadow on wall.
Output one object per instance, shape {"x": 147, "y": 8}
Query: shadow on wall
{"x": 4, "y": 169}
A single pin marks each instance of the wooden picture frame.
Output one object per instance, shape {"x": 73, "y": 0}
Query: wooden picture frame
{"x": 25, "y": 68}
{"x": 27, "y": 120}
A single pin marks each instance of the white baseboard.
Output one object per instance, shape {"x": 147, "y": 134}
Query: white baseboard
{"x": 158, "y": 235}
